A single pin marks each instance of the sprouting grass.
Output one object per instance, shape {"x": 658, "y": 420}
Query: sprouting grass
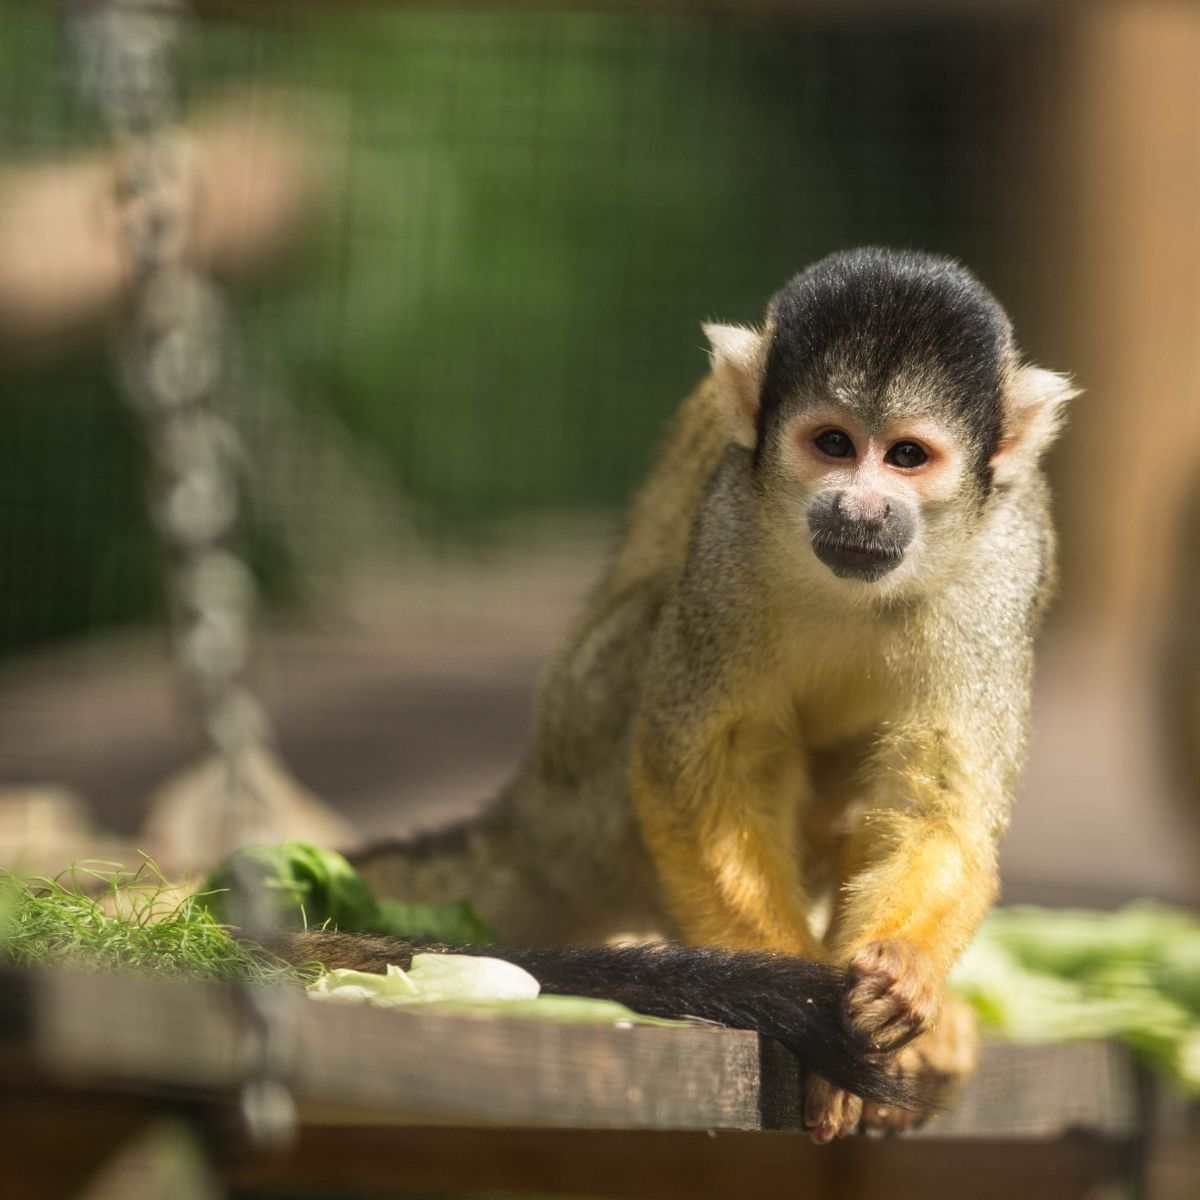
{"x": 103, "y": 916}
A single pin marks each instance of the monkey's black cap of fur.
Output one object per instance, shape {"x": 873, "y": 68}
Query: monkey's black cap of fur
{"x": 867, "y": 315}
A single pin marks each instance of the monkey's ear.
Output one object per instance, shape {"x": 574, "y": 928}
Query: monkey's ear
{"x": 1034, "y": 404}
{"x": 738, "y": 356}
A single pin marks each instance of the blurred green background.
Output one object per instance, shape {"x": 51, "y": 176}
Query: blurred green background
{"x": 503, "y": 299}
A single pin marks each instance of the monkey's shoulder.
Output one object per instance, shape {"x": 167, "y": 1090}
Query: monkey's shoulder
{"x": 1002, "y": 588}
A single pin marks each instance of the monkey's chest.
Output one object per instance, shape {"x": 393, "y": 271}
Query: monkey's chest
{"x": 837, "y": 728}
{"x": 842, "y": 710}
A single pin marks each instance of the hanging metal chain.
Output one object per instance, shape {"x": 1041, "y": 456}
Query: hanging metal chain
{"x": 173, "y": 362}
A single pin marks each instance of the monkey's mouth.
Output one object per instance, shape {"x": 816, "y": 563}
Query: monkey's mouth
{"x": 850, "y": 560}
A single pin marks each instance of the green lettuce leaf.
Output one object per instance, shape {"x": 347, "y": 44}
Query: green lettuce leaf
{"x": 303, "y": 886}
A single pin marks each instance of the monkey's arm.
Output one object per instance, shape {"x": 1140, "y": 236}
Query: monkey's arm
{"x": 722, "y": 844}
{"x": 923, "y": 869}
{"x": 916, "y": 879}
{"x": 916, "y": 882}
{"x": 797, "y": 1002}
{"x": 919, "y": 872}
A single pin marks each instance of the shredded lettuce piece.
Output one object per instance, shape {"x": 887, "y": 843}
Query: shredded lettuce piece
{"x": 467, "y": 983}
{"x": 432, "y": 979}
{"x": 1036, "y": 975}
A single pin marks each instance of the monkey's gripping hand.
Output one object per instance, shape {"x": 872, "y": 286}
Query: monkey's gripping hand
{"x": 800, "y": 1003}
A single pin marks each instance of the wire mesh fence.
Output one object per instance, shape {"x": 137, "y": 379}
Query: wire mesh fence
{"x": 493, "y": 301}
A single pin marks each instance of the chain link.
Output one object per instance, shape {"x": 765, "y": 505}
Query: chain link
{"x": 173, "y": 360}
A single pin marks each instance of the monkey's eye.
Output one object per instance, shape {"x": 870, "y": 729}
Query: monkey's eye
{"x": 906, "y": 455}
{"x": 834, "y": 444}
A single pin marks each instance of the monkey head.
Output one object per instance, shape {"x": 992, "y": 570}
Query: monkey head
{"x": 885, "y": 405}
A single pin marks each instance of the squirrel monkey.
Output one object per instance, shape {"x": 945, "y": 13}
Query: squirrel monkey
{"x": 793, "y": 716}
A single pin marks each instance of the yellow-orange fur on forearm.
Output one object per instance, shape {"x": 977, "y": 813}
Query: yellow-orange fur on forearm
{"x": 726, "y": 877}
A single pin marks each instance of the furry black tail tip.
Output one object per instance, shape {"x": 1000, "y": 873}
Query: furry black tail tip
{"x": 799, "y": 1003}
{"x": 873, "y": 1076}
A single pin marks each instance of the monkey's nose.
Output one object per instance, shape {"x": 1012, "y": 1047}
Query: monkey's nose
{"x": 873, "y": 518}
{"x": 869, "y": 510}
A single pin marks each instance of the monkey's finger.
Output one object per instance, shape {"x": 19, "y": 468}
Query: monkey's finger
{"x": 893, "y": 994}
{"x": 893, "y": 1032}
{"x": 889, "y": 1021}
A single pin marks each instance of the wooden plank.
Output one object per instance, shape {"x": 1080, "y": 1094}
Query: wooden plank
{"x": 490, "y": 1071}
{"x": 434, "y": 1068}
{"x": 1045, "y": 1092}
{"x": 369, "y": 1161}
{"x": 136, "y": 1032}
{"x": 1037, "y": 1091}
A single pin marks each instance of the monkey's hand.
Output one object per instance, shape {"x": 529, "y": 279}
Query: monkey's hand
{"x": 894, "y": 993}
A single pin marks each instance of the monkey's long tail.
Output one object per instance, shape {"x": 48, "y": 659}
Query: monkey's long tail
{"x": 795, "y": 1001}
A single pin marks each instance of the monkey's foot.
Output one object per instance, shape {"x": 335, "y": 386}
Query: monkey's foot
{"x": 829, "y": 1112}
{"x": 893, "y": 993}
{"x": 936, "y": 1063}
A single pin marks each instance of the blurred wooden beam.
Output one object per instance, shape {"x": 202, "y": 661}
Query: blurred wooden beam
{"x": 258, "y": 176}
{"x": 1124, "y": 101}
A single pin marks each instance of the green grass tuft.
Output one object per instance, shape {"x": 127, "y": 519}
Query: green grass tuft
{"x": 105, "y": 917}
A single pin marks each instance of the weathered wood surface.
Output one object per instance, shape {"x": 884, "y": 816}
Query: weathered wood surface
{"x": 67, "y": 1140}
{"x": 370, "y": 1161}
{"x": 438, "y": 1069}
